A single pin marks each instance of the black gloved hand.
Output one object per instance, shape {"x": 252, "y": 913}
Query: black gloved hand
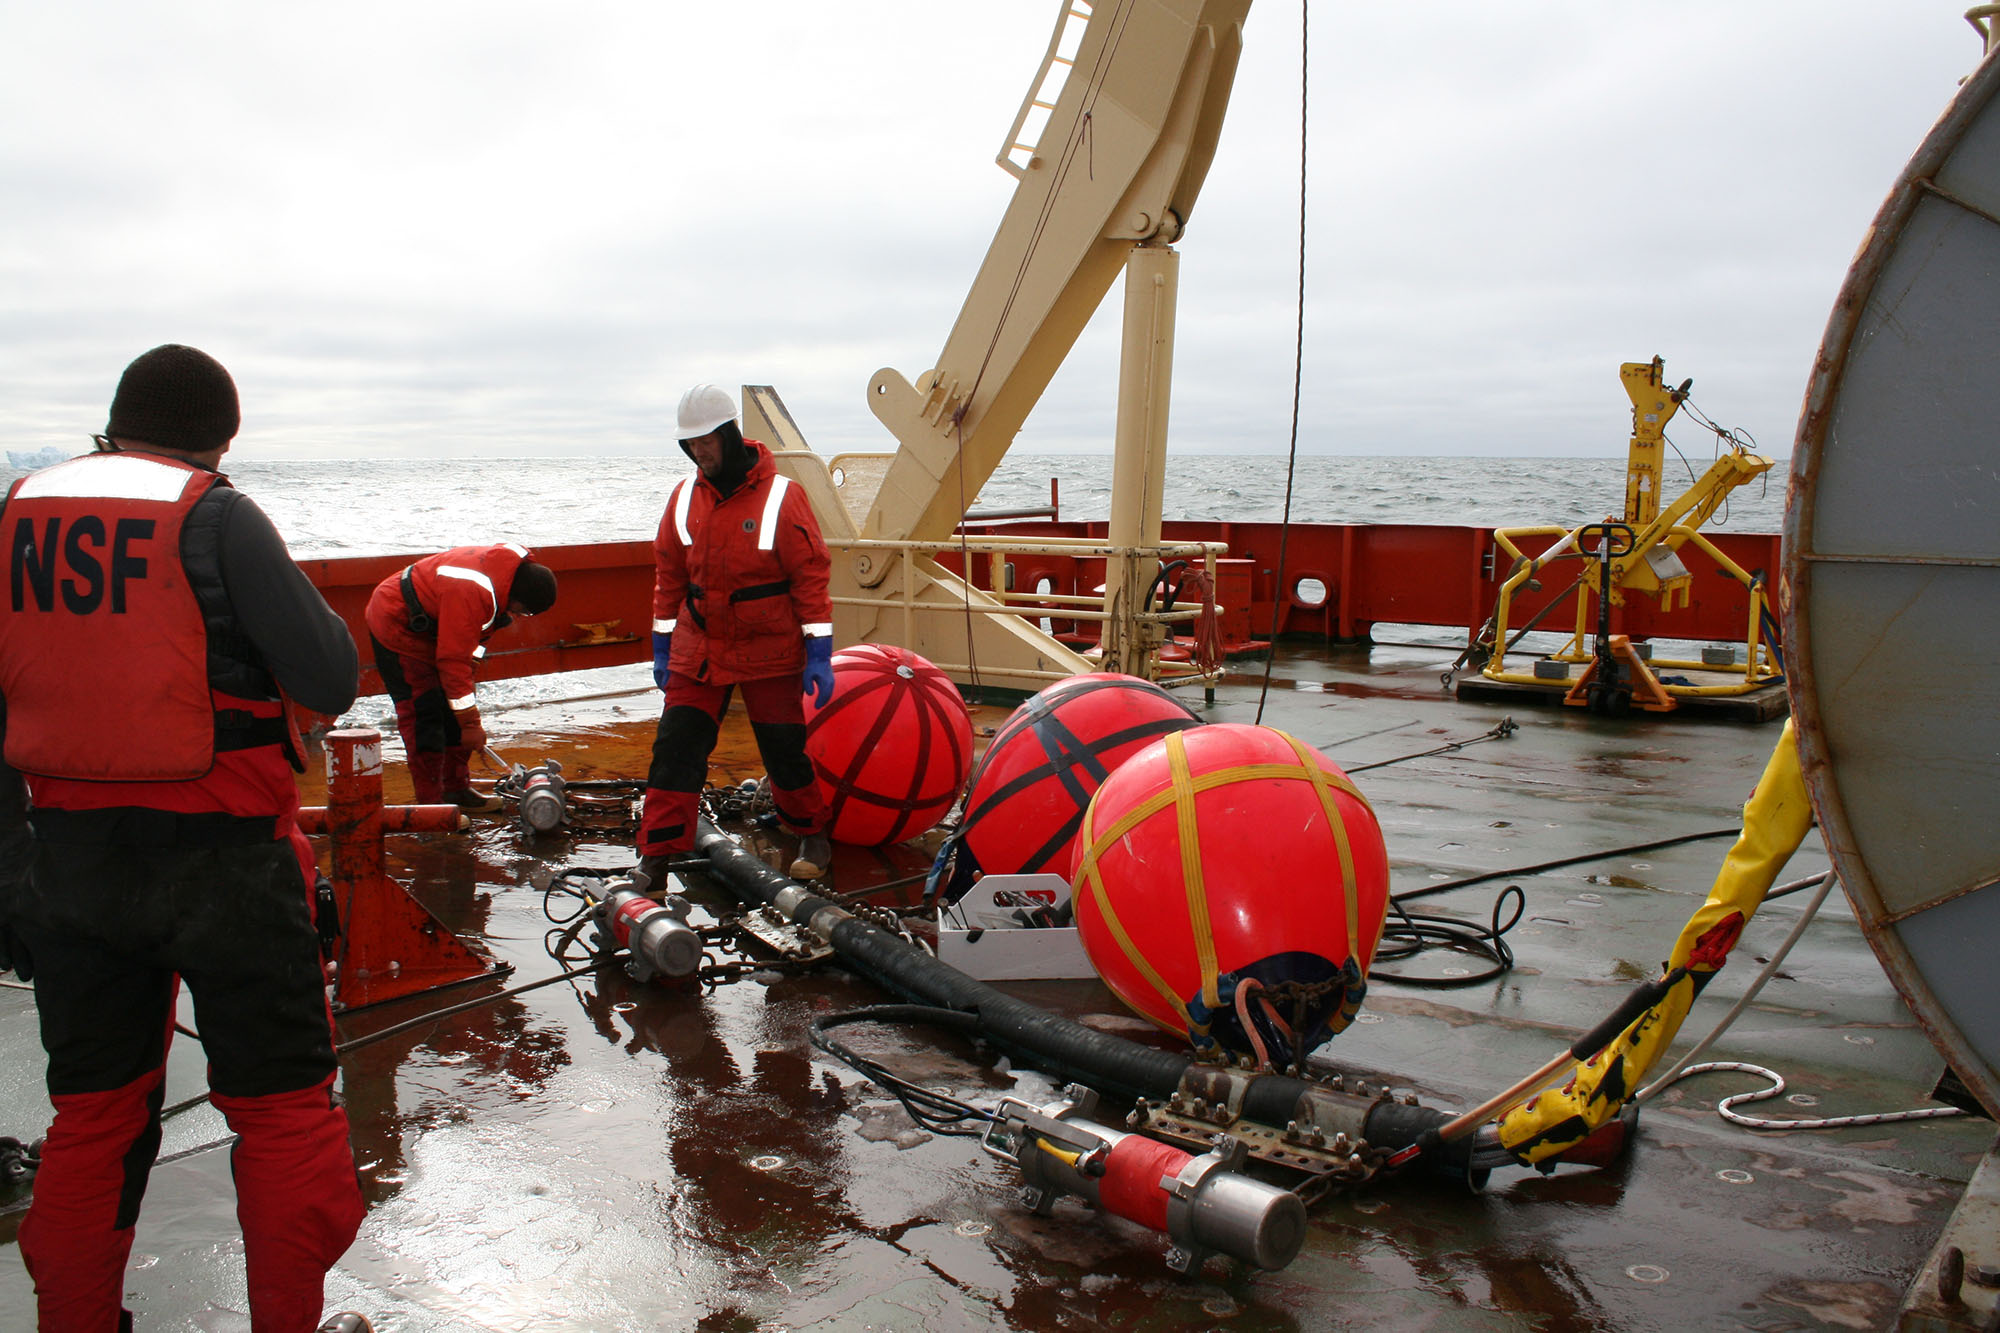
{"x": 14, "y": 956}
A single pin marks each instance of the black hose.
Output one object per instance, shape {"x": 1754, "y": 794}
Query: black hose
{"x": 1056, "y": 1045}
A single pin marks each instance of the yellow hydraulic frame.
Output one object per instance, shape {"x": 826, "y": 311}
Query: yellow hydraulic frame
{"x": 1653, "y": 565}
{"x": 1108, "y": 151}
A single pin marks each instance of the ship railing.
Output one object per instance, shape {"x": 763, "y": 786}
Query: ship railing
{"x": 1760, "y": 665}
{"x": 1118, "y": 622}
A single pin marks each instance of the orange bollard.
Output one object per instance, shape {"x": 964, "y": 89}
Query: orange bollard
{"x": 390, "y": 944}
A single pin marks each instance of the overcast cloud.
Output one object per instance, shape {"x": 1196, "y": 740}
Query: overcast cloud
{"x": 514, "y": 228}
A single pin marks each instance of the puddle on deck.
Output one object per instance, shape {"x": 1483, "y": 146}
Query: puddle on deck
{"x": 601, "y": 1154}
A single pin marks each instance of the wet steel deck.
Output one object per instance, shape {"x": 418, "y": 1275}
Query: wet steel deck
{"x": 603, "y": 1155}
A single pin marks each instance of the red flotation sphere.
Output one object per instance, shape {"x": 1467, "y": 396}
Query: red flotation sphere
{"x": 1028, "y": 793}
{"x": 1223, "y": 875}
{"x": 890, "y": 748}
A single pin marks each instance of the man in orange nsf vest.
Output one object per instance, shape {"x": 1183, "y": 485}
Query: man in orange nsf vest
{"x": 740, "y": 601}
{"x": 152, "y": 624}
{"x": 428, "y": 625}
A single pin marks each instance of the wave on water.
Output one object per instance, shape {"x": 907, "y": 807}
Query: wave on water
{"x": 329, "y": 509}
{"x": 384, "y": 506}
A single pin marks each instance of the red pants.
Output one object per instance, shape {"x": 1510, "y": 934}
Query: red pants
{"x": 114, "y": 931}
{"x": 689, "y": 725}
{"x": 431, "y": 743}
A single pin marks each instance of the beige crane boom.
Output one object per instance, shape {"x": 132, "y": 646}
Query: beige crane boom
{"x": 1130, "y": 99}
{"x": 1124, "y": 152}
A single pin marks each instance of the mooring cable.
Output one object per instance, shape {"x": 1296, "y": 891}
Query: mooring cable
{"x": 393, "y": 1029}
{"x": 1686, "y": 1067}
{"x": 1507, "y": 727}
{"x": 1298, "y": 373}
{"x": 1408, "y": 895}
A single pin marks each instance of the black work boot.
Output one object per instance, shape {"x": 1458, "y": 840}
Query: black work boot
{"x": 650, "y": 876}
{"x": 815, "y": 857}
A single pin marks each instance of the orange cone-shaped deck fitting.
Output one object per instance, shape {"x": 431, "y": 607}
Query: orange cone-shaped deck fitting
{"x": 891, "y": 748}
{"x": 1227, "y": 855}
{"x": 390, "y": 946}
{"x": 1028, "y": 794}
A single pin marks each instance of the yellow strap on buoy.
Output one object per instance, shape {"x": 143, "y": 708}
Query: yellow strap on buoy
{"x": 1191, "y": 878}
{"x": 1325, "y": 784}
{"x": 1094, "y": 887}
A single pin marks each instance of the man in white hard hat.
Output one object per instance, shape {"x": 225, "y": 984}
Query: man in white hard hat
{"x": 740, "y": 601}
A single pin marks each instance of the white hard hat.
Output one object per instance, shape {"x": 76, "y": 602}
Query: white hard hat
{"x": 703, "y": 408}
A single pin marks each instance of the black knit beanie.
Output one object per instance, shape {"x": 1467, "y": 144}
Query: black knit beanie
{"x": 534, "y": 587}
{"x": 175, "y": 397}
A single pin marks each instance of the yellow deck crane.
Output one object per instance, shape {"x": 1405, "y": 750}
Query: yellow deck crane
{"x": 1109, "y": 150}
{"x": 1638, "y": 554}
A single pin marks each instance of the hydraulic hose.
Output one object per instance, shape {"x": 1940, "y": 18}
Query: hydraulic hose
{"x": 1056, "y": 1045}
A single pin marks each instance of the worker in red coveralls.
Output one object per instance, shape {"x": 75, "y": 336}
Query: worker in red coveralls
{"x": 740, "y": 601}
{"x": 152, "y": 625}
{"x": 428, "y": 625}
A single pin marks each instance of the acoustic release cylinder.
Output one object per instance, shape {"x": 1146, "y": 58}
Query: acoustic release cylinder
{"x": 658, "y": 940}
{"x": 1204, "y": 1204}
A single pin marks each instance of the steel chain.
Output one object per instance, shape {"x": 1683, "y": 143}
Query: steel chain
{"x": 19, "y": 1161}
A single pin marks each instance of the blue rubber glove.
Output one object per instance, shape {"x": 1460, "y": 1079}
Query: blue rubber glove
{"x": 819, "y": 668}
{"x": 663, "y": 649}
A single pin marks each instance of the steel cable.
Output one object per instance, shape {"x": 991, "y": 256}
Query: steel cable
{"x": 1298, "y": 375}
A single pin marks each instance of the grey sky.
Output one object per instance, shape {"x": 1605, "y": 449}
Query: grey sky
{"x": 524, "y": 228}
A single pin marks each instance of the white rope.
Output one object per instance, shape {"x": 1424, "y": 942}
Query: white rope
{"x": 1726, "y": 1107}
{"x": 1679, "y": 1070}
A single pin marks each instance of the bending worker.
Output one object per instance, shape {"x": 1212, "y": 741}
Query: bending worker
{"x": 155, "y": 627}
{"x": 739, "y": 601}
{"x": 428, "y": 625}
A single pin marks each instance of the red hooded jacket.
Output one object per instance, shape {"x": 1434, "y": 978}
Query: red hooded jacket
{"x": 740, "y": 581}
{"x": 463, "y": 591}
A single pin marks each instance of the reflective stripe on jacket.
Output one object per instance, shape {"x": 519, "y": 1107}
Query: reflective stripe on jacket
{"x": 464, "y": 593}
{"x": 740, "y": 582}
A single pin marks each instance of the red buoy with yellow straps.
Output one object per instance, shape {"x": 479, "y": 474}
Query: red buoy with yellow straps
{"x": 1231, "y": 885}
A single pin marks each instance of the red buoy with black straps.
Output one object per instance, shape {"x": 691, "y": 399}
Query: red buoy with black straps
{"x": 1027, "y": 795}
{"x": 890, "y": 748}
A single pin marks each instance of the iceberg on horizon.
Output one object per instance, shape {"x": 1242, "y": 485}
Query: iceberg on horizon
{"x": 27, "y": 460}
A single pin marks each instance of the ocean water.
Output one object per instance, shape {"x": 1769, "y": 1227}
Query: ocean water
{"x": 382, "y": 506}
{"x": 391, "y": 506}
